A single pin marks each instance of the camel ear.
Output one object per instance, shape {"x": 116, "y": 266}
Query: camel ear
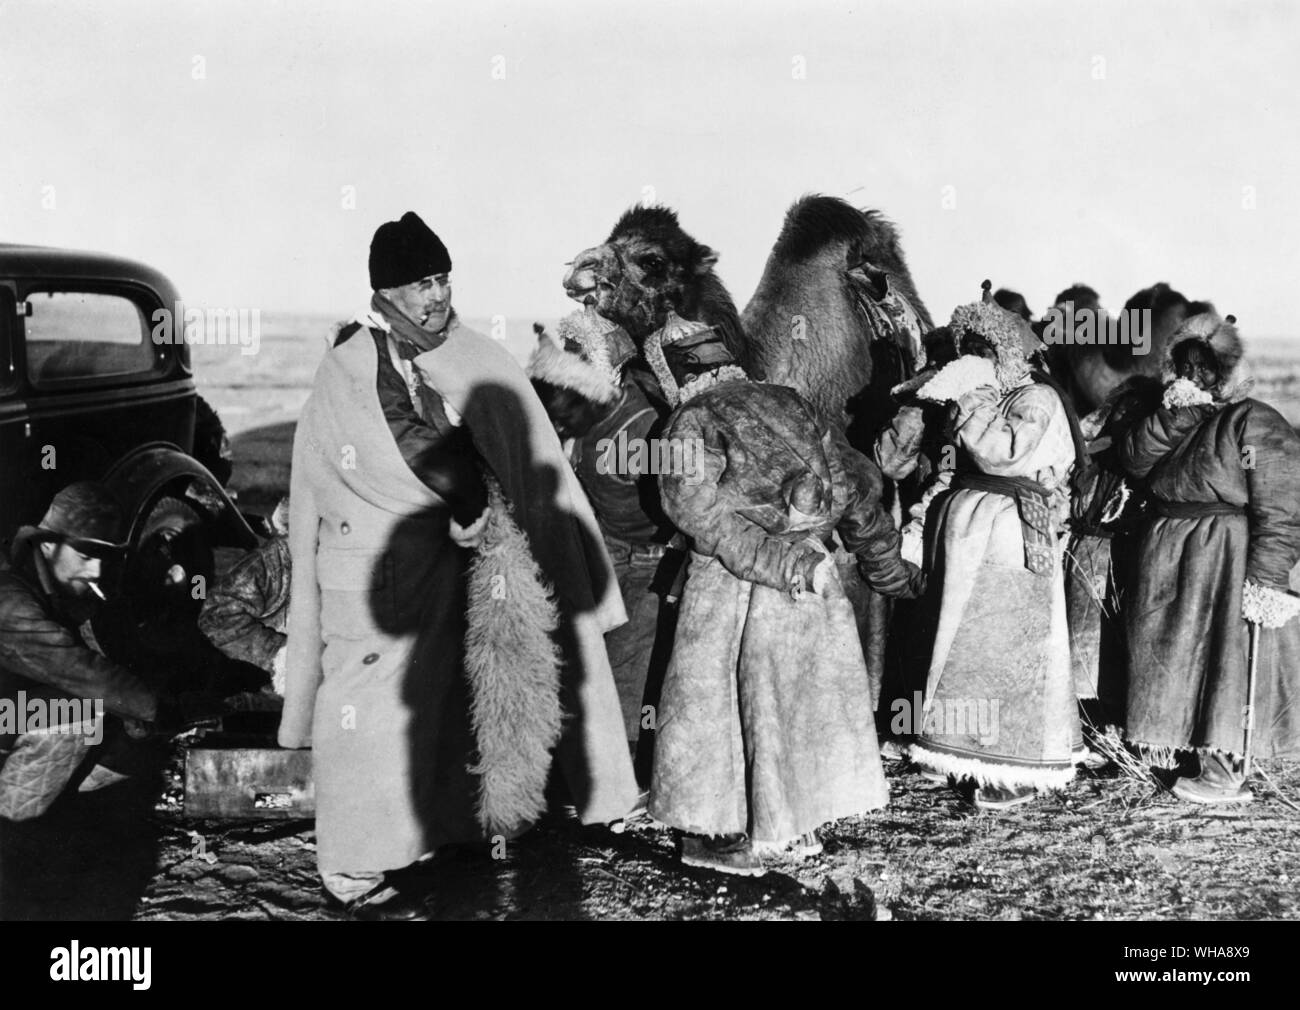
{"x": 706, "y": 260}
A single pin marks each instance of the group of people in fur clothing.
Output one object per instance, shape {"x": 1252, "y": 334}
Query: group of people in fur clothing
{"x": 609, "y": 580}
{"x": 1015, "y": 618}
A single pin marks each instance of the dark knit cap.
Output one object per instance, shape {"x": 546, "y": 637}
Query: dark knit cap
{"x": 405, "y": 251}
{"x": 85, "y": 511}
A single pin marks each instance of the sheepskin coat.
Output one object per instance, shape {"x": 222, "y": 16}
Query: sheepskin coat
{"x": 765, "y": 722}
{"x": 998, "y": 701}
{"x": 1188, "y": 642}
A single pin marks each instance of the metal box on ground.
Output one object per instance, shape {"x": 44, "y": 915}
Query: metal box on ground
{"x": 247, "y": 778}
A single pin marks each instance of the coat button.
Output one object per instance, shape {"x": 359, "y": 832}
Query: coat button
{"x": 371, "y": 658}
{"x": 344, "y": 528}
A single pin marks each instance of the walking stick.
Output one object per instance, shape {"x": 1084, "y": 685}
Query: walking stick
{"x": 1250, "y": 694}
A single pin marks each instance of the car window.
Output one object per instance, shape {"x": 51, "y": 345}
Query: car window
{"x": 85, "y": 334}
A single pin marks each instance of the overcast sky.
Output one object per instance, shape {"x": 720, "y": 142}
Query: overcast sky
{"x": 250, "y": 150}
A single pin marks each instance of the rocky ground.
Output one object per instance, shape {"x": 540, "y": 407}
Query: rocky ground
{"x": 1105, "y": 848}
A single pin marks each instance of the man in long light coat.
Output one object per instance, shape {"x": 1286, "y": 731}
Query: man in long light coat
{"x": 419, "y": 440}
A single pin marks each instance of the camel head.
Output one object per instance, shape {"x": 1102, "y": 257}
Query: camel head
{"x": 836, "y": 315}
{"x": 649, "y": 266}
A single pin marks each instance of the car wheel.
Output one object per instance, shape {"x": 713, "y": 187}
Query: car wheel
{"x": 161, "y": 586}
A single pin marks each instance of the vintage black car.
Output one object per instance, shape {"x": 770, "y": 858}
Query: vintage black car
{"x": 86, "y": 393}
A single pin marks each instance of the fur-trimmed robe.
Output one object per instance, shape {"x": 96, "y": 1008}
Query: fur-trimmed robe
{"x": 1188, "y": 642}
{"x": 998, "y": 703}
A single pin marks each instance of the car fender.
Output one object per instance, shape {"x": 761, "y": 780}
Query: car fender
{"x": 139, "y": 476}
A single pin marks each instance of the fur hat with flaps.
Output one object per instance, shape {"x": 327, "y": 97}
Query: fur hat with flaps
{"x": 1220, "y": 335}
{"x": 599, "y": 341}
{"x": 1010, "y": 336}
{"x": 554, "y": 366}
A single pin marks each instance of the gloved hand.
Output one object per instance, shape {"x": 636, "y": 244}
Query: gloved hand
{"x": 912, "y": 543}
{"x": 816, "y": 571}
{"x": 1268, "y": 607}
{"x": 471, "y": 537}
{"x": 822, "y": 575}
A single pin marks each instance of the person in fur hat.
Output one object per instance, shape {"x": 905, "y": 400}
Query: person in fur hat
{"x": 1223, "y": 473}
{"x": 449, "y": 595}
{"x": 999, "y": 709}
{"x": 611, "y": 429}
{"x": 766, "y": 726}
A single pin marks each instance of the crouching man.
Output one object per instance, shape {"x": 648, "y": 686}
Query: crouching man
{"x": 54, "y": 688}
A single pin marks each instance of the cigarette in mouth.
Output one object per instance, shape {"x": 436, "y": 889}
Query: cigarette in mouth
{"x": 94, "y": 588}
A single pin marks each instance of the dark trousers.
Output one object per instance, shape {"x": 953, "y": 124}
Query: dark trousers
{"x": 639, "y": 650}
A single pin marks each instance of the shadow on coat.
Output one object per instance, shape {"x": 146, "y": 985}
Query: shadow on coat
{"x": 441, "y": 736}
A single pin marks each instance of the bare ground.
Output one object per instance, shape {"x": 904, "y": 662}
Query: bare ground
{"x": 1102, "y": 849}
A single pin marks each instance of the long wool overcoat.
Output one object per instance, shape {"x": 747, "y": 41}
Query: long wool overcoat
{"x": 376, "y": 683}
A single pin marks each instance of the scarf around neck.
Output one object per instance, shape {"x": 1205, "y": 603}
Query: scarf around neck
{"x": 405, "y": 328}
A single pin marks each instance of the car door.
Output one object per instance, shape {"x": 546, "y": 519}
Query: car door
{"x": 94, "y": 382}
